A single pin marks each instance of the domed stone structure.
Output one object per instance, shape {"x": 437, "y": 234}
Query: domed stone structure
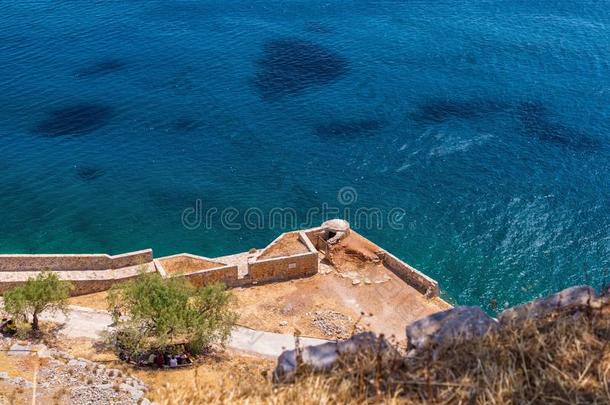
{"x": 335, "y": 230}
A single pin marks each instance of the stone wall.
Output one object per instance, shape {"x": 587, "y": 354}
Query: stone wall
{"x": 225, "y": 274}
{"x": 410, "y": 275}
{"x": 85, "y": 282}
{"x": 283, "y": 268}
{"x": 73, "y": 262}
{"x": 314, "y": 236}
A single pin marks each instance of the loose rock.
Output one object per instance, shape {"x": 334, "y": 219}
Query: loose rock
{"x": 447, "y": 326}
{"x": 323, "y": 356}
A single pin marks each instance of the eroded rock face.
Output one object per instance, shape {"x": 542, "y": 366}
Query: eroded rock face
{"x": 324, "y": 356}
{"x": 447, "y": 326}
{"x": 570, "y": 298}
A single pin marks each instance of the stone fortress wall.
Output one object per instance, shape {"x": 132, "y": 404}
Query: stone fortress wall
{"x": 98, "y": 272}
{"x": 88, "y": 272}
{"x": 73, "y": 262}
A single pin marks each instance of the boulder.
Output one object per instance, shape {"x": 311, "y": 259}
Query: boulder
{"x": 447, "y": 326}
{"x": 570, "y": 298}
{"x": 324, "y": 356}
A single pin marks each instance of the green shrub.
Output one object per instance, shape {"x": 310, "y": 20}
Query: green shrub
{"x": 159, "y": 313}
{"x": 45, "y": 292}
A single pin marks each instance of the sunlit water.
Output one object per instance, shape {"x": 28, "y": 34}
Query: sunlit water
{"x": 486, "y": 122}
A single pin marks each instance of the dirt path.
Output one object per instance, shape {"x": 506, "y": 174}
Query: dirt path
{"x": 88, "y": 323}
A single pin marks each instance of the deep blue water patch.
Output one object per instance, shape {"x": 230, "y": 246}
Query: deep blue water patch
{"x": 75, "y": 119}
{"x": 290, "y": 66}
{"x": 101, "y": 68}
{"x": 538, "y": 123}
{"x": 349, "y": 129}
{"x": 89, "y": 173}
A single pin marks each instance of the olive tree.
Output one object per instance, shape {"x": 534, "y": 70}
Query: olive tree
{"x": 45, "y": 292}
{"x": 151, "y": 312}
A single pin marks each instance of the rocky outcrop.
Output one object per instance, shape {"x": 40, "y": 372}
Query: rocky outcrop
{"x": 324, "y": 356}
{"x": 448, "y": 326}
{"x": 469, "y": 322}
{"x": 569, "y": 299}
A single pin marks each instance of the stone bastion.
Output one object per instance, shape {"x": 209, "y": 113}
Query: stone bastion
{"x": 291, "y": 255}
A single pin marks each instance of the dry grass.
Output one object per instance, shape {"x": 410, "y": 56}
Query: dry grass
{"x": 564, "y": 359}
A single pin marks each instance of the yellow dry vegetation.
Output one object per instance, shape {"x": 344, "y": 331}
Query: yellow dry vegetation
{"x": 560, "y": 359}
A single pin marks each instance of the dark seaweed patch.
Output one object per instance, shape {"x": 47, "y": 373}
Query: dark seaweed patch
{"x": 290, "y": 66}
{"x": 101, "y": 68}
{"x": 349, "y": 128}
{"x": 537, "y": 122}
{"x": 89, "y": 173}
{"x": 442, "y": 110}
{"x": 74, "y": 120}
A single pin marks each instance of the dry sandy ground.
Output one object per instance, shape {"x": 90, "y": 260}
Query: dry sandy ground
{"x": 95, "y": 300}
{"x": 388, "y": 304}
{"x": 18, "y": 367}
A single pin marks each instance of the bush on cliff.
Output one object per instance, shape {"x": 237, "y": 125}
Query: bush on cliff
{"x": 45, "y": 292}
{"x": 159, "y": 313}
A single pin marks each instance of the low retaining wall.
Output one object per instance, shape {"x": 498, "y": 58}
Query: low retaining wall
{"x": 227, "y": 275}
{"x": 283, "y": 268}
{"x": 410, "y": 275}
{"x": 85, "y": 282}
{"x": 73, "y": 262}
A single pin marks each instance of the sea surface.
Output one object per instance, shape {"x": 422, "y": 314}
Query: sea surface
{"x": 470, "y": 138}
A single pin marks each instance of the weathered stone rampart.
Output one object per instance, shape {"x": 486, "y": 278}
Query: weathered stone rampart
{"x": 78, "y": 262}
{"x": 410, "y": 275}
{"x": 98, "y": 272}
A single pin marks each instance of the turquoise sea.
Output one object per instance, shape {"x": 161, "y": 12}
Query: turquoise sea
{"x": 484, "y": 124}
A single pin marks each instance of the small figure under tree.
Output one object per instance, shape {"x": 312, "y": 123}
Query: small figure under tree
{"x": 45, "y": 292}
